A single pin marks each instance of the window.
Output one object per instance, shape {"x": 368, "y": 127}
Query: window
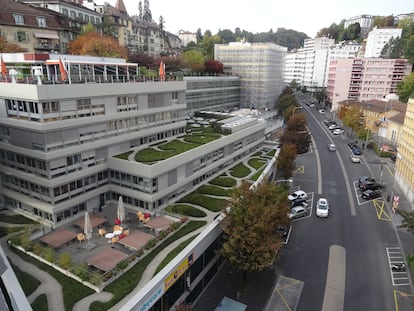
{"x": 41, "y": 21}
{"x": 21, "y": 36}
{"x": 18, "y": 19}
{"x": 72, "y": 14}
{"x": 65, "y": 12}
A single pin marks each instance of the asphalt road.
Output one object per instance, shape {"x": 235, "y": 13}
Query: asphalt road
{"x": 361, "y": 228}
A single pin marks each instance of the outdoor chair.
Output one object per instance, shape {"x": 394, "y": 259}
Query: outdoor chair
{"x": 81, "y": 237}
{"x": 115, "y": 239}
{"x": 102, "y": 232}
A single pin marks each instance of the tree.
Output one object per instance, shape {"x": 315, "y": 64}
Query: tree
{"x": 94, "y": 44}
{"x": 296, "y": 132}
{"x": 193, "y": 60}
{"x": 6, "y": 47}
{"x": 352, "y": 118}
{"x": 250, "y": 239}
{"x": 406, "y": 88}
{"x": 214, "y": 66}
{"x": 286, "y": 160}
{"x": 408, "y": 223}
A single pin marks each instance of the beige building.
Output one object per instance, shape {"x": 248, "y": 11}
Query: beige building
{"x": 404, "y": 167}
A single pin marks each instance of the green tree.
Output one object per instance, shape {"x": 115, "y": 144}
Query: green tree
{"x": 296, "y": 132}
{"x": 352, "y": 118}
{"x": 194, "y": 60}
{"x": 406, "y": 88}
{"x": 250, "y": 239}
{"x": 50, "y": 254}
{"x": 286, "y": 160}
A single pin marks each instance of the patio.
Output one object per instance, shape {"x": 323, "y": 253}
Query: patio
{"x": 57, "y": 239}
{"x": 107, "y": 259}
{"x": 135, "y": 240}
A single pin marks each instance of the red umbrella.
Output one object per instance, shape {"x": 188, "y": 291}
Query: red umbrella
{"x": 3, "y": 67}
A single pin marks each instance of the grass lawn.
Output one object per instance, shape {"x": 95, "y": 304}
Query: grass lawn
{"x": 26, "y": 280}
{"x": 186, "y": 210}
{"x": 17, "y": 219}
{"x": 240, "y": 170}
{"x": 210, "y": 203}
{"x": 213, "y": 190}
{"x": 224, "y": 182}
{"x": 257, "y": 174}
{"x": 256, "y": 163}
{"x": 40, "y": 303}
{"x": 125, "y": 155}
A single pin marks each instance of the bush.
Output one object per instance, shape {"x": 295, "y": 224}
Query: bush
{"x": 25, "y": 241}
{"x": 122, "y": 265}
{"x": 96, "y": 278}
{"x": 65, "y": 260}
{"x": 81, "y": 271}
{"x": 151, "y": 243}
{"x": 38, "y": 249}
{"x": 50, "y": 254}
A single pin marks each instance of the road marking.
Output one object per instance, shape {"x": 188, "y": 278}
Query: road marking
{"x": 380, "y": 210}
{"x": 335, "y": 280}
{"x": 399, "y": 278}
{"x": 300, "y": 169}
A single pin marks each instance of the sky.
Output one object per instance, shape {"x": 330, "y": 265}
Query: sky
{"x": 307, "y": 16}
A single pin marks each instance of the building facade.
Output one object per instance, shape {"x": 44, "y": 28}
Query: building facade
{"x": 364, "y": 79}
{"x": 378, "y": 38}
{"x": 220, "y": 93}
{"x": 365, "y": 22}
{"x": 187, "y": 37}
{"x": 294, "y": 67}
{"x": 404, "y": 166}
{"x": 260, "y": 67}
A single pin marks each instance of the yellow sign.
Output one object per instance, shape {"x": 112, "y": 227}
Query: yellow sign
{"x": 174, "y": 276}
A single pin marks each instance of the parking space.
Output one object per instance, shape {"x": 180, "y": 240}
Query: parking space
{"x": 358, "y": 195}
{"x": 309, "y": 204}
{"x": 395, "y": 257}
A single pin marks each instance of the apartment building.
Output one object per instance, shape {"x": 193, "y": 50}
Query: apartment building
{"x": 294, "y": 67}
{"x": 404, "y": 166}
{"x": 378, "y": 38}
{"x": 316, "y": 60}
{"x": 221, "y": 93}
{"x": 344, "y": 49}
{"x": 364, "y": 79}
{"x": 260, "y": 67}
{"x": 36, "y": 30}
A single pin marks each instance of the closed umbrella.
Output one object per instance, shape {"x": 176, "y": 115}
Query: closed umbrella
{"x": 87, "y": 227}
{"x": 3, "y": 67}
{"x": 162, "y": 71}
{"x": 121, "y": 210}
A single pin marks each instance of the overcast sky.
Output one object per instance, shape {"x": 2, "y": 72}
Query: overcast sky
{"x": 307, "y": 16}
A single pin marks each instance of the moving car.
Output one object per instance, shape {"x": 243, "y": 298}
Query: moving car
{"x": 322, "y": 208}
{"x": 355, "y": 159}
{"x": 299, "y": 194}
{"x": 331, "y": 147}
{"x": 371, "y": 194}
{"x": 297, "y": 212}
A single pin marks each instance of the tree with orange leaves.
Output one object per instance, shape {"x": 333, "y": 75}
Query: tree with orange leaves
{"x": 6, "y": 47}
{"x": 94, "y": 44}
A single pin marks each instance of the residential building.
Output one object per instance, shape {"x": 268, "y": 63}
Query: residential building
{"x": 383, "y": 117}
{"x": 221, "y": 93}
{"x": 316, "y": 62}
{"x": 187, "y": 37}
{"x": 378, "y": 38}
{"x": 365, "y": 22}
{"x": 294, "y": 67}
{"x": 12, "y": 297}
{"x": 364, "y": 79}
{"x": 37, "y": 30}
{"x": 260, "y": 67}
{"x": 344, "y": 49}
{"x": 404, "y": 166}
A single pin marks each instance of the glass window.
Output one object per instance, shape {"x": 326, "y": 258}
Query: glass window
{"x": 18, "y": 19}
{"x": 41, "y": 21}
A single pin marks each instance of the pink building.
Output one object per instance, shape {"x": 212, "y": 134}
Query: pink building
{"x": 364, "y": 79}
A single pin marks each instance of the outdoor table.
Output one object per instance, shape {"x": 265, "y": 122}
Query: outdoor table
{"x": 110, "y": 235}
{"x": 117, "y": 232}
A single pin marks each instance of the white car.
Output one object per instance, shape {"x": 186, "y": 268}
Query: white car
{"x": 322, "y": 208}
{"x": 355, "y": 159}
{"x": 321, "y": 111}
{"x": 296, "y": 212}
{"x": 299, "y": 194}
{"x": 338, "y": 131}
{"x": 331, "y": 147}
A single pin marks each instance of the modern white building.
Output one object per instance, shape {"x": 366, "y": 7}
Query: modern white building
{"x": 344, "y": 49}
{"x": 260, "y": 67}
{"x": 316, "y": 60}
{"x": 378, "y": 38}
{"x": 70, "y": 147}
{"x": 221, "y": 93}
{"x": 294, "y": 67}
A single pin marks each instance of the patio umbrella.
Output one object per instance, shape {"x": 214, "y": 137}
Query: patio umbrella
{"x": 62, "y": 69}
{"x": 3, "y": 67}
{"x": 162, "y": 71}
{"x": 87, "y": 227}
{"x": 121, "y": 210}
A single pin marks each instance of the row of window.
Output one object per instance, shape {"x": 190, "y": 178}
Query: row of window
{"x": 83, "y": 17}
{"x": 19, "y": 20}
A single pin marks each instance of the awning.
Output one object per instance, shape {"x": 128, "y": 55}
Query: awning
{"x": 47, "y": 35}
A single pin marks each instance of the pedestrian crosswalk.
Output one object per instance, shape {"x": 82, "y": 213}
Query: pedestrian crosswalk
{"x": 396, "y": 256}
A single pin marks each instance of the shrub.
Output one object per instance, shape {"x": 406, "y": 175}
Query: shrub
{"x": 96, "y": 278}
{"x": 65, "y": 260}
{"x": 25, "y": 241}
{"x": 122, "y": 265}
{"x": 38, "y": 249}
{"x": 81, "y": 271}
{"x": 50, "y": 254}
{"x": 151, "y": 243}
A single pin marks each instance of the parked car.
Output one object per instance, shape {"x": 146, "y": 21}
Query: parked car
{"x": 321, "y": 111}
{"x": 356, "y": 151}
{"x": 299, "y": 194}
{"x": 322, "y": 207}
{"x": 365, "y": 179}
{"x": 299, "y": 202}
{"x": 297, "y": 212}
{"x": 370, "y": 186}
{"x": 338, "y": 131}
{"x": 332, "y": 126}
{"x": 331, "y": 147}
{"x": 355, "y": 159}
{"x": 326, "y": 122}
{"x": 371, "y": 194}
